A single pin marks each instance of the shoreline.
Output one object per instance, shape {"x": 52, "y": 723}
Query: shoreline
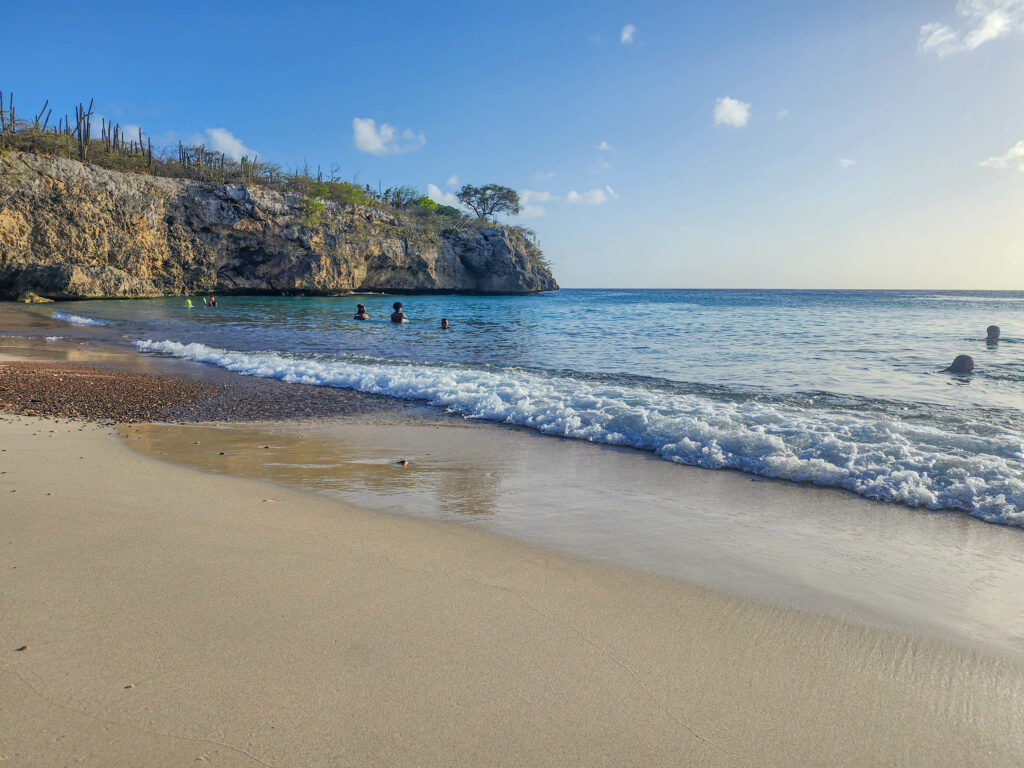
{"x": 172, "y": 615}
{"x": 776, "y": 542}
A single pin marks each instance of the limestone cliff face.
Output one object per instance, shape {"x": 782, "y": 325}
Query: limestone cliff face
{"x": 69, "y": 230}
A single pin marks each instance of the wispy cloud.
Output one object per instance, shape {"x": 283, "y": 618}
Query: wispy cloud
{"x": 595, "y": 196}
{"x": 532, "y": 211}
{"x": 628, "y": 33}
{"x": 845, "y": 162}
{"x": 528, "y": 196}
{"x": 1014, "y": 156}
{"x": 983, "y": 20}
{"x": 782, "y": 114}
{"x": 385, "y": 139}
{"x": 222, "y": 140}
{"x": 453, "y": 181}
{"x": 604, "y": 146}
{"x": 531, "y": 203}
{"x": 730, "y": 111}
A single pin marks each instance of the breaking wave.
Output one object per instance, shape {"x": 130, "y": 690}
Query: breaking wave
{"x": 946, "y": 459}
{"x": 77, "y": 319}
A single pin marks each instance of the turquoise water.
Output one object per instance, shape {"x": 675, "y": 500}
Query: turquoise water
{"x": 839, "y": 389}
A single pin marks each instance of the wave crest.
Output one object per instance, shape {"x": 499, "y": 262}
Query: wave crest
{"x": 872, "y": 453}
{"x": 77, "y": 319}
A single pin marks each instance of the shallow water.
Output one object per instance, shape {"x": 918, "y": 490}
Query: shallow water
{"x": 837, "y": 389}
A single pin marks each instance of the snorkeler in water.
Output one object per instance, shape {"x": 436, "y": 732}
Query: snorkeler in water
{"x": 398, "y": 316}
{"x": 444, "y": 324}
{"x": 361, "y": 313}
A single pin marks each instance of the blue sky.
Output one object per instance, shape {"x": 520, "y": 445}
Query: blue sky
{"x": 732, "y": 144}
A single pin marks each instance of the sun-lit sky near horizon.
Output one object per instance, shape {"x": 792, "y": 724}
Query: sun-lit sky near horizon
{"x": 655, "y": 144}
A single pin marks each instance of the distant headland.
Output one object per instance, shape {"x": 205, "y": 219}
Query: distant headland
{"x": 110, "y": 216}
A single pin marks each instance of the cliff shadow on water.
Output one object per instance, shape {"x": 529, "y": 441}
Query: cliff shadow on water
{"x": 70, "y": 230}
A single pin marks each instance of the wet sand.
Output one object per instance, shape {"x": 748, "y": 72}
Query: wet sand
{"x": 170, "y": 616}
{"x": 943, "y": 574}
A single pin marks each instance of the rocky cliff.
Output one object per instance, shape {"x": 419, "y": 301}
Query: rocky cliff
{"x": 69, "y": 231}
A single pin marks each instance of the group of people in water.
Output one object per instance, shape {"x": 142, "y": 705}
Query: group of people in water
{"x": 397, "y": 317}
{"x": 964, "y": 364}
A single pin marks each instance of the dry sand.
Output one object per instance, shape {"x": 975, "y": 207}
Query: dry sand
{"x": 172, "y": 616}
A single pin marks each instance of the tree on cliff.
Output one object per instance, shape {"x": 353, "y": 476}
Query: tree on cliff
{"x": 489, "y": 200}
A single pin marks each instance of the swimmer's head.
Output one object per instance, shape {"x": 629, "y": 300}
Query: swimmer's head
{"x": 360, "y": 308}
{"x": 962, "y": 364}
{"x": 444, "y": 323}
{"x": 993, "y": 333}
{"x": 397, "y": 306}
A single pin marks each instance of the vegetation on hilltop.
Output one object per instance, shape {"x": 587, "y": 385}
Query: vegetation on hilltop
{"x": 73, "y": 137}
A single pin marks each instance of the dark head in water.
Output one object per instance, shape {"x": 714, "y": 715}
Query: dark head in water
{"x": 397, "y": 306}
{"x": 992, "y": 333}
{"x": 963, "y": 364}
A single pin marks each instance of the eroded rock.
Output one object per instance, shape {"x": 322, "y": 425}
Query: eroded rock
{"x": 69, "y": 231}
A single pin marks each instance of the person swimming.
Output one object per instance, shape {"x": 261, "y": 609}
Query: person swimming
{"x": 963, "y": 364}
{"x": 398, "y": 316}
{"x": 361, "y": 313}
{"x": 992, "y": 334}
{"x": 211, "y": 303}
{"x": 188, "y": 302}
{"x": 444, "y": 324}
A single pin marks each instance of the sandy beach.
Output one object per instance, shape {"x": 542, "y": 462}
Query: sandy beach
{"x": 170, "y": 616}
{"x": 160, "y": 606}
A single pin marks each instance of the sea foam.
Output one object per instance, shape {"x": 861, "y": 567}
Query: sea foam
{"x": 77, "y": 319}
{"x": 872, "y": 452}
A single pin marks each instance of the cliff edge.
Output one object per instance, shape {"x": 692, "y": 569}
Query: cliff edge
{"x": 72, "y": 231}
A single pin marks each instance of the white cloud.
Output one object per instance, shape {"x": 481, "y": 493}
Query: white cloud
{"x": 594, "y": 196}
{"x": 438, "y": 195}
{"x": 611, "y": 192}
{"x": 845, "y": 162}
{"x": 529, "y": 196}
{"x": 604, "y": 146}
{"x": 984, "y": 20}
{"x": 385, "y": 140}
{"x": 729, "y": 111}
{"x": 628, "y": 32}
{"x": 453, "y": 180}
{"x": 531, "y": 199}
{"x": 1014, "y": 156}
{"x": 782, "y": 114}
{"x": 222, "y": 140}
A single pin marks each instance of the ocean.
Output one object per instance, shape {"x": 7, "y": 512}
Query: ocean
{"x": 840, "y": 389}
